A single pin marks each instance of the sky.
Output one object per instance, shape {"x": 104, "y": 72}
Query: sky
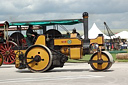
{"x": 113, "y": 12}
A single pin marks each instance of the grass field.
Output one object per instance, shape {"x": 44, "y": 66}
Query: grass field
{"x": 87, "y": 57}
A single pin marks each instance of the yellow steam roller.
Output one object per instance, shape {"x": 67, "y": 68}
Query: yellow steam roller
{"x": 52, "y": 49}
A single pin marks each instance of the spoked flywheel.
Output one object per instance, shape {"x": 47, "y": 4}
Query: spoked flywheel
{"x": 102, "y": 63}
{"x": 38, "y": 58}
{"x": 1, "y": 59}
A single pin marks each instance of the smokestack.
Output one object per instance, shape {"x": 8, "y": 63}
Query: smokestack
{"x": 85, "y": 25}
{"x": 86, "y": 41}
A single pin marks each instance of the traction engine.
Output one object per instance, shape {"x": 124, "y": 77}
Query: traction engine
{"x": 7, "y": 54}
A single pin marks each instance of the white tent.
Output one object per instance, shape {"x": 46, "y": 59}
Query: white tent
{"x": 122, "y": 35}
{"x": 94, "y": 31}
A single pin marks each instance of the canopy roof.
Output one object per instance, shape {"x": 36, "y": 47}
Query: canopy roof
{"x": 48, "y": 22}
{"x": 3, "y": 23}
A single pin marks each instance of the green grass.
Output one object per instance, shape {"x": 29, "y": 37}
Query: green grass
{"x": 87, "y": 57}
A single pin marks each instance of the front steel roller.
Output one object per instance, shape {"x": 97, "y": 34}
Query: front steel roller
{"x": 103, "y": 63}
{"x": 1, "y": 59}
{"x": 38, "y": 58}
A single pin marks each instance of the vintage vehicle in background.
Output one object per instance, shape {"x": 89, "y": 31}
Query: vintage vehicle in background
{"x": 9, "y": 43}
{"x": 6, "y": 46}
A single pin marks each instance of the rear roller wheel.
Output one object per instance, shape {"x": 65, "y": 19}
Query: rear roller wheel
{"x": 104, "y": 63}
{"x": 1, "y": 59}
{"x": 38, "y": 58}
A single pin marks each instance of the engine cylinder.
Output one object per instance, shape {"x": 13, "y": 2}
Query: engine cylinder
{"x": 65, "y": 50}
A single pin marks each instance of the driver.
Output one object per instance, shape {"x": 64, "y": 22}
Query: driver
{"x": 75, "y": 32}
{"x": 30, "y": 34}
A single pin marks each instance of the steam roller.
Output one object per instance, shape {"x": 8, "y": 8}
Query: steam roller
{"x": 52, "y": 49}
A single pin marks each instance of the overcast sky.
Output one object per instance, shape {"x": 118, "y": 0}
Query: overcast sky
{"x": 114, "y": 12}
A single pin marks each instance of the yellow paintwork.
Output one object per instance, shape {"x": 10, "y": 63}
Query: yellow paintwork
{"x": 75, "y": 53}
{"x": 102, "y": 66}
{"x": 17, "y": 61}
{"x": 98, "y": 40}
{"x": 40, "y": 40}
{"x": 43, "y": 54}
{"x": 67, "y": 41}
